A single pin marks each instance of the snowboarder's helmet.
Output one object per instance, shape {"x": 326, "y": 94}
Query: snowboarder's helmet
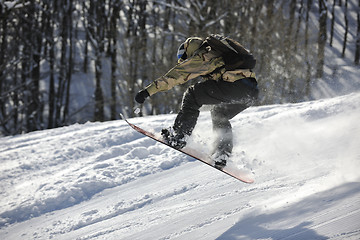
{"x": 188, "y": 48}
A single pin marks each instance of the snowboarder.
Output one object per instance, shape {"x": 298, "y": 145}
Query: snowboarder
{"x": 229, "y": 84}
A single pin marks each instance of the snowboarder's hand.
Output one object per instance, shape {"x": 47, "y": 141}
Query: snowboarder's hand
{"x": 141, "y": 96}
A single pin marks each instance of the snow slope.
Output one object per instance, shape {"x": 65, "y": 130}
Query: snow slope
{"x": 106, "y": 181}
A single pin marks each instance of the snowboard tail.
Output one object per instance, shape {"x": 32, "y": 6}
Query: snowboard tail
{"x": 236, "y": 173}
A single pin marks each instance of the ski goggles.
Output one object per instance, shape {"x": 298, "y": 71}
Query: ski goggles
{"x": 181, "y": 53}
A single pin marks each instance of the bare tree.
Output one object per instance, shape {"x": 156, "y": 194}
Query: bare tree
{"x": 95, "y": 29}
{"x": 346, "y": 28}
{"x": 307, "y": 60}
{"x": 357, "y": 42}
{"x": 115, "y": 5}
{"x": 321, "y": 38}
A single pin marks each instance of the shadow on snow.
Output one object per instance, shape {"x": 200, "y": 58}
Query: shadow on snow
{"x": 316, "y": 205}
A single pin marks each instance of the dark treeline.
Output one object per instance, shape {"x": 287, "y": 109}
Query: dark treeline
{"x": 113, "y": 48}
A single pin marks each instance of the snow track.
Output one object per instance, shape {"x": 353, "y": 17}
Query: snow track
{"x": 105, "y": 181}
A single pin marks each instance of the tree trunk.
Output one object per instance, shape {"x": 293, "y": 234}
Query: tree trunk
{"x": 321, "y": 38}
{"x": 113, "y": 53}
{"x": 70, "y": 62}
{"x": 99, "y": 97}
{"x": 357, "y": 48}
{"x": 346, "y": 28}
{"x": 33, "y": 109}
{"x": 62, "y": 72}
{"x": 86, "y": 50}
{"x": 98, "y": 35}
{"x": 307, "y": 60}
{"x": 3, "y": 47}
{"x": 332, "y": 22}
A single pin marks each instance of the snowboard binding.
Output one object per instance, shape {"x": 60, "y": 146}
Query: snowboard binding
{"x": 220, "y": 164}
{"x": 220, "y": 159}
{"x": 175, "y": 140}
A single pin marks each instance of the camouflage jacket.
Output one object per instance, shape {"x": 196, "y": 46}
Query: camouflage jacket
{"x": 204, "y": 62}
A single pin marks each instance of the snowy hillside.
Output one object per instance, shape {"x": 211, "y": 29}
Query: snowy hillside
{"x": 106, "y": 181}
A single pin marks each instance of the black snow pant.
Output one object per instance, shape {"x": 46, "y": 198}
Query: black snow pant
{"x": 228, "y": 98}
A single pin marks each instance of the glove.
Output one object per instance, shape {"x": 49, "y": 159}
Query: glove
{"x": 141, "y": 96}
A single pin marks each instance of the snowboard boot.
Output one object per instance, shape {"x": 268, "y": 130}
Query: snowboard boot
{"x": 175, "y": 140}
{"x": 220, "y": 159}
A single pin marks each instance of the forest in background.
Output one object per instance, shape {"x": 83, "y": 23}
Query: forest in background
{"x": 113, "y": 48}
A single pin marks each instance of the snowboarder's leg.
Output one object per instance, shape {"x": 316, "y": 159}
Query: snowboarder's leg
{"x": 240, "y": 96}
{"x": 188, "y": 114}
{"x": 185, "y": 121}
{"x": 223, "y": 144}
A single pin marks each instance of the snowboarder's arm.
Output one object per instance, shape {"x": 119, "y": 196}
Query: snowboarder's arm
{"x": 201, "y": 64}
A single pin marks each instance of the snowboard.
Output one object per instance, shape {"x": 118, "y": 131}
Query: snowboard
{"x": 233, "y": 171}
